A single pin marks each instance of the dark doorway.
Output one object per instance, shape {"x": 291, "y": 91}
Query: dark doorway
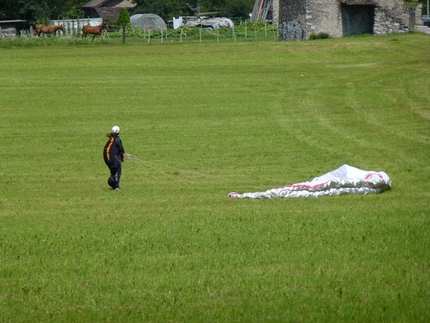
{"x": 357, "y": 19}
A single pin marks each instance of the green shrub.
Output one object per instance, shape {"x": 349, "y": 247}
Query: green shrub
{"x": 321, "y": 35}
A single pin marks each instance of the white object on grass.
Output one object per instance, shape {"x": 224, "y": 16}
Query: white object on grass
{"x": 344, "y": 180}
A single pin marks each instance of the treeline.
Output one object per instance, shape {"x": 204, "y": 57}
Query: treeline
{"x": 44, "y": 10}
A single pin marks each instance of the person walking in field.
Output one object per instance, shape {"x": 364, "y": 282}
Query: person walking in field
{"x": 113, "y": 155}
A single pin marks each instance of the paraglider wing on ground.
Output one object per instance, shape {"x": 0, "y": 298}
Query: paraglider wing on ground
{"x": 344, "y": 180}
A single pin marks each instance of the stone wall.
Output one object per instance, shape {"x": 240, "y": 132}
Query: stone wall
{"x": 298, "y": 19}
{"x": 323, "y": 16}
{"x": 291, "y": 22}
{"x": 393, "y": 19}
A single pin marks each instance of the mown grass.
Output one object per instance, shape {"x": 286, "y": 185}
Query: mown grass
{"x": 205, "y": 120}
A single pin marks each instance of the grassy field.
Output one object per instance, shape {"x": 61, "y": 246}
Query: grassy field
{"x": 205, "y": 120}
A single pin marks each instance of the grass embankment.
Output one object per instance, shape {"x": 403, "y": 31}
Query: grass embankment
{"x": 205, "y": 120}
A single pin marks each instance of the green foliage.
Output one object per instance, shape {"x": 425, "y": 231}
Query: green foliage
{"x": 244, "y": 30}
{"x": 45, "y": 10}
{"x": 424, "y": 4}
{"x": 123, "y": 20}
{"x": 205, "y": 120}
{"x": 19, "y": 42}
{"x": 174, "y": 8}
{"x": 237, "y": 9}
{"x": 35, "y": 11}
{"x": 411, "y": 4}
{"x": 73, "y": 13}
{"x": 164, "y": 8}
{"x": 321, "y": 35}
{"x": 123, "y": 17}
{"x": 40, "y": 10}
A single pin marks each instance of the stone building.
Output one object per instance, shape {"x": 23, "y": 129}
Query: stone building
{"x": 299, "y": 19}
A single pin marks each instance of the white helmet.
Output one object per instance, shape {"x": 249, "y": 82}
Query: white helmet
{"x": 115, "y": 129}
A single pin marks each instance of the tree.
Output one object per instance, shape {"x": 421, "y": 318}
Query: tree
{"x": 167, "y": 9}
{"x": 237, "y": 9}
{"x": 39, "y": 10}
{"x": 45, "y": 10}
{"x": 123, "y": 20}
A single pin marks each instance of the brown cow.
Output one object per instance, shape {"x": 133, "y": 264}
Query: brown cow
{"x": 94, "y": 30}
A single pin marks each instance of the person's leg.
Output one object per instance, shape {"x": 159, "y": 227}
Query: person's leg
{"x": 118, "y": 176}
{"x": 113, "y": 179}
{"x": 110, "y": 181}
{"x": 115, "y": 176}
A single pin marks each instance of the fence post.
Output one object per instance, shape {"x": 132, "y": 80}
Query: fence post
{"x": 246, "y": 30}
{"x": 234, "y": 35}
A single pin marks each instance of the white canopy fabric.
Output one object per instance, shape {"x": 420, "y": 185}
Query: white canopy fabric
{"x": 344, "y": 180}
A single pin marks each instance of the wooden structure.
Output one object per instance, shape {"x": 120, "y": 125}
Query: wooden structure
{"x": 9, "y": 28}
{"x": 108, "y": 10}
{"x": 263, "y": 9}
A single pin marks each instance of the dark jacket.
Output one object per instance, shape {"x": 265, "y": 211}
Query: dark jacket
{"x": 113, "y": 153}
